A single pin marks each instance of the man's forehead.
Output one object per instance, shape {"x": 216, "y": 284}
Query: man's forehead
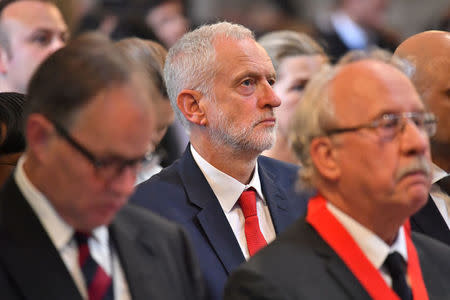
{"x": 33, "y": 13}
{"x": 373, "y": 86}
{"x": 242, "y": 56}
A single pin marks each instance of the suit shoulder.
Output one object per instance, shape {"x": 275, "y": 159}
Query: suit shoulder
{"x": 277, "y": 165}
{"x": 135, "y": 216}
{"x": 431, "y": 248}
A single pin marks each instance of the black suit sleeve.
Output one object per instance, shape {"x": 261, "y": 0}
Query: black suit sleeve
{"x": 246, "y": 284}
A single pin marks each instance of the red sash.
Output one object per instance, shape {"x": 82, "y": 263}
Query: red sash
{"x": 346, "y": 248}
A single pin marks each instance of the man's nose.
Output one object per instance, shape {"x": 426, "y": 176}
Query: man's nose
{"x": 414, "y": 140}
{"x": 268, "y": 97}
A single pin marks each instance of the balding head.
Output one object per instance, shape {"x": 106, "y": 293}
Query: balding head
{"x": 429, "y": 52}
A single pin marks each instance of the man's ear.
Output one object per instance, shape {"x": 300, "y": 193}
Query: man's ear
{"x": 4, "y": 60}
{"x": 38, "y": 131}
{"x": 190, "y": 104}
{"x": 323, "y": 155}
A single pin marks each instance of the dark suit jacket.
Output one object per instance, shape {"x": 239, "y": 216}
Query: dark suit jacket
{"x": 429, "y": 221}
{"x": 182, "y": 194}
{"x": 301, "y": 265}
{"x": 155, "y": 255}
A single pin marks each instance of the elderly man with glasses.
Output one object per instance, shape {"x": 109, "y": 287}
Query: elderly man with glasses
{"x": 65, "y": 229}
{"x": 362, "y": 134}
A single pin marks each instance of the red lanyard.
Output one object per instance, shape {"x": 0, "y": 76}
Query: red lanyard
{"x": 346, "y": 248}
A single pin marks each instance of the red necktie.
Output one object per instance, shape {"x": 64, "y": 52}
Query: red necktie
{"x": 98, "y": 283}
{"x": 255, "y": 239}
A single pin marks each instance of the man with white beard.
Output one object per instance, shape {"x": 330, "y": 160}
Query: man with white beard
{"x": 231, "y": 200}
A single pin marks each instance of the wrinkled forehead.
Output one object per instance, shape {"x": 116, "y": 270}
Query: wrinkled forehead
{"x": 233, "y": 56}
{"x": 364, "y": 90}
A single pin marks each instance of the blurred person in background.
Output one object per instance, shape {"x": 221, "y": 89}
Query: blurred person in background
{"x": 167, "y": 19}
{"x": 152, "y": 56}
{"x": 296, "y": 58}
{"x": 429, "y": 53}
{"x": 12, "y": 141}
{"x": 30, "y": 30}
{"x": 355, "y": 25}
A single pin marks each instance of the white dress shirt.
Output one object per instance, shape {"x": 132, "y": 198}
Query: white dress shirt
{"x": 228, "y": 190}
{"x": 373, "y": 247}
{"x": 61, "y": 234}
{"x": 440, "y": 198}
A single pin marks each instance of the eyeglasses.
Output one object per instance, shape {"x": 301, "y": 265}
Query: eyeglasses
{"x": 389, "y": 125}
{"x": 108, "y": 168}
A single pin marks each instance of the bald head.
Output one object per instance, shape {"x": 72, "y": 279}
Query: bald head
{"x": 429, "y": 52}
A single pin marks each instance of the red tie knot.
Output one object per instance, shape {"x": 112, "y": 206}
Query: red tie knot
{"x": 247, "y": 201}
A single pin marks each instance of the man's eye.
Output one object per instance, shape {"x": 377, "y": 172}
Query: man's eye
{"x": 389, "y": 124}
{"x": 271, "y": 81}
{"x": 247, "y": 82}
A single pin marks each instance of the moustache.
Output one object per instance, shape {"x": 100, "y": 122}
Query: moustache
{"x": 420, "y": 164}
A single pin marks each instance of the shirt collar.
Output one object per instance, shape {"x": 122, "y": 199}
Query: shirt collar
{"x": 375, "y": 249}
{"x": 59, "y": 231}
{"x": 438, "y": 173}
{"x": 226, "y": 188}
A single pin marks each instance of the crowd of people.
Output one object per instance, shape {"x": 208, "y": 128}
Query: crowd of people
{"x": 307, "y": 170}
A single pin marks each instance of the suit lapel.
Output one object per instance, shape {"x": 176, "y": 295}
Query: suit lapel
{"x": 337, "y": 268}
{"x": 429, "y": 221}
{"x": 130, "y": 250}
{"x": 27, "y": 252}
{"x": 276, "y": 200}
{"x": 211, "y": 218}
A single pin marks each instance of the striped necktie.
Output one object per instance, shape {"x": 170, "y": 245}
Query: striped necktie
{"x": 98, "y": 283}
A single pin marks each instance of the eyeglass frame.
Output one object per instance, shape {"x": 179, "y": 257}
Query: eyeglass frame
{"x": 100, "y": 163}
{"x": 428, "y": 119}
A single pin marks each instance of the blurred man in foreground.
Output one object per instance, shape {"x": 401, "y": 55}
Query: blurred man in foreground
{"x": 65, "y": 229}
{"x": 362, "y": 134}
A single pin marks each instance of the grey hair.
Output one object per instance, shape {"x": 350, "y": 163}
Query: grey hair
{"x": 286, "y": 43}
{"x": 315, "y": 114}
{"x": 381, "y": 55}
{"x": 190, "y": 62}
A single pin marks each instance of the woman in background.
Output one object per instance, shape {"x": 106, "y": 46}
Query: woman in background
{"x": 152, "y": 56}
{"x": 296, "y": 58}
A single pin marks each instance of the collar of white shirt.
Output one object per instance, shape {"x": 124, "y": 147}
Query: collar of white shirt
{"x": 59, "y": 231}
{"x": 375, "y": 249}
{"x": 226, "y": 188}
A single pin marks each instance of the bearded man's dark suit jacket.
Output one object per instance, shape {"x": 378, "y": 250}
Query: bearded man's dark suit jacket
{"x": 429, "y": 221}
{"x": 155, "y": 255}
{"x": 301, "y": 265}
{"x": 182, "y": 194}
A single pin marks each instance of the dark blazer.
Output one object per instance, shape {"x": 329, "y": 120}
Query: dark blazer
{"x": 181, "y": 193}
{"x": 155, "y": 255}
{"x": 428, "y": 220}
{"x": 301, "y": 265}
